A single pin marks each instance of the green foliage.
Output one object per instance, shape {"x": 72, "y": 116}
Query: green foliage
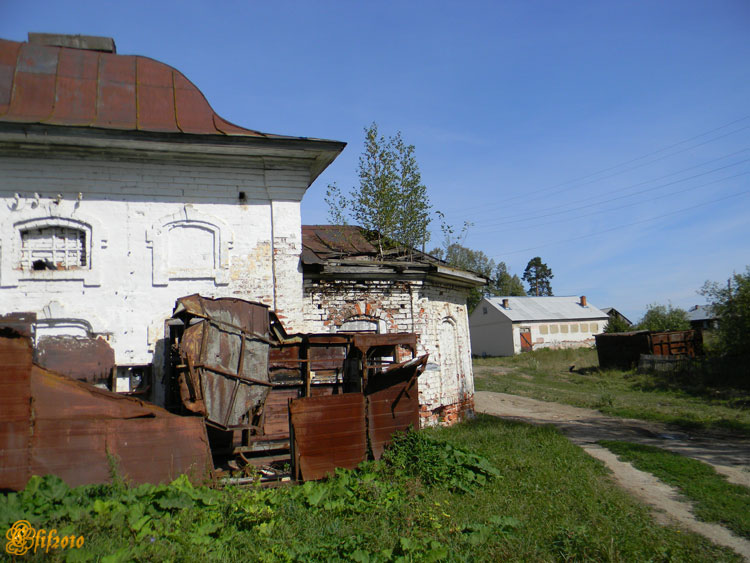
{"x": 731, "y": 305}
{"x": 437, "y": 463}
{"x": 617, "y": 324}
{"x": 391, "y": 201}
{"x": 180, "y": 521}
{"x": 714, "y": 499}
{"x": 505, "y": 284}
{"x": 538, "y": 275}
{"x": 660, "y": 318}
{"x": 500, "y": 281}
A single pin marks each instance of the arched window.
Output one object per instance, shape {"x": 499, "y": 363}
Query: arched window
{"x": 190, "y": 245}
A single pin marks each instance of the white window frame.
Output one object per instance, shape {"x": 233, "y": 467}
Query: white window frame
{"x": 157, "y": 238}
{"x": 11, "y": 272}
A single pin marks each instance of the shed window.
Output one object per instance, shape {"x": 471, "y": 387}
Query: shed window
{"x": 53, "y": 248}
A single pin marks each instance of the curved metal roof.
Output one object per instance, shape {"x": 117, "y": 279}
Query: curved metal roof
{"x": 86, "y": 88}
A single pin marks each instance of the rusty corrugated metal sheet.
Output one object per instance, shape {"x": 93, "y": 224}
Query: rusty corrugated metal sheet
{"x": 327, "y": 432}
{"x": 77, "y": 87}
{"x": 54, "y": 424}
{"x": 249, "y": 316}
{"x": 15, "y": 408}
{"x": 393, "y": 403}
{"x": 225, "y": 375}
{"x": 85, "y": 359}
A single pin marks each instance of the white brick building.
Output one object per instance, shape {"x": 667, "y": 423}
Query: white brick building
{"x": 346, "y": 287}
{"x": 122, "y": 190}
{"x": 504, "y": 326}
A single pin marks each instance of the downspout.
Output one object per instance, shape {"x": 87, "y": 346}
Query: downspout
{"x": 273, "y": 237}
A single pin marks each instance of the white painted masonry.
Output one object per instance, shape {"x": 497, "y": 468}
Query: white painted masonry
{"x": 143, "y": 255}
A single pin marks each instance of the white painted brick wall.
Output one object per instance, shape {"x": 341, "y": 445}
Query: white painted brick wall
{"x": 123, "y": 201}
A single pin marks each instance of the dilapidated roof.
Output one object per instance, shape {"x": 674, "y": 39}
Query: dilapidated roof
{"x": 86, "y": 87}
{"x": 346, "y": 251}
{"x": 546, "y": 308}
{"x": 325, "y": 242}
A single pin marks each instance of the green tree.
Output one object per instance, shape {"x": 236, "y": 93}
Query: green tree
{"x": 731, "y": 305}
{"x": 465, "y": 258}
{"x": 538, "y": 275}
{"x": 391, "y": 201}
{"x": 505, "y": 284}
{"x": 500, "y": 282}
{"x": 660, "y": 318}
{"x": 617, "y": 324}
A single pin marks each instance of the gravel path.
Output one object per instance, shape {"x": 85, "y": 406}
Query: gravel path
{"x": 585, "y": 427}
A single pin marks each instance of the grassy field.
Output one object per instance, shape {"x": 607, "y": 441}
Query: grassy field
{"x": 547, "y": 375}
{"x": 714, "y": 499}
{"x": 531, "y": 496}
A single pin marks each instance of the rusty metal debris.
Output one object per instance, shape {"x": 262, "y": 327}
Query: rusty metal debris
{"x": 50, "y": 423}
{"x": 235, "y": 364}
{"x": 241, "y": 392}
{"x": 82, "y": 358}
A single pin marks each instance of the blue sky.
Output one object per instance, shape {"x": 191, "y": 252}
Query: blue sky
{"x": 610, "y": 138}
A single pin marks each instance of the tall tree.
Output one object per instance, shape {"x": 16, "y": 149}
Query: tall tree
{"x": 538, "y": 275}
{"x": 391, "y": 201}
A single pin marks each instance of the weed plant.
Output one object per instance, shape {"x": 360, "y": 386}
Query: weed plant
{"x": 485, "y": 490}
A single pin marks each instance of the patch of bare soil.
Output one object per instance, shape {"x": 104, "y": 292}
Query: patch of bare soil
{"x": 585, "y": 427}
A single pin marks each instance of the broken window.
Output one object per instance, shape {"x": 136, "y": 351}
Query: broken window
{"x": 53, "y": 248}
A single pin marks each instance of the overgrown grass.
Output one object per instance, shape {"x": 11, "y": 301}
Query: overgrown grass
{"x": 669, "y": 398}
{"x": 714, "y": 498}
{"x": 499, "y": 491}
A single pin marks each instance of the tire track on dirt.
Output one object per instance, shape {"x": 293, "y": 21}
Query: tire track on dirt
{"x": 586, "y": 427}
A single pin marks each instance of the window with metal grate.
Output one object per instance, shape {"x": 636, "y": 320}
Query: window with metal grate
{"x": 53, "y": 248}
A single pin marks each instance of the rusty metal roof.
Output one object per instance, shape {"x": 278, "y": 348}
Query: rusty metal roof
{"x": 89, "y": 88}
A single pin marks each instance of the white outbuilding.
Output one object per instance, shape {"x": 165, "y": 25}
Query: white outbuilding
{"x": 504, "y": 326}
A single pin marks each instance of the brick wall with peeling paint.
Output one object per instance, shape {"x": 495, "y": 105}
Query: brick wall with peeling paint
{"x": 436, "y": 312}
{"x": 155, "y": 231}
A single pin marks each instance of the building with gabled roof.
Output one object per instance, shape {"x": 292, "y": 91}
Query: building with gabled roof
{"x": 504, "y": 326}
{"x": 123, "y": 190}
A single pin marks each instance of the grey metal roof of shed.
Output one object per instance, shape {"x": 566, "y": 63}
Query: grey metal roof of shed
{"x": 546, "y": 308}
{"x": 701, "y": 313}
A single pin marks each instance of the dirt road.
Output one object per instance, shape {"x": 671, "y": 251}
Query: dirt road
{"x": 585, "y": 427}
